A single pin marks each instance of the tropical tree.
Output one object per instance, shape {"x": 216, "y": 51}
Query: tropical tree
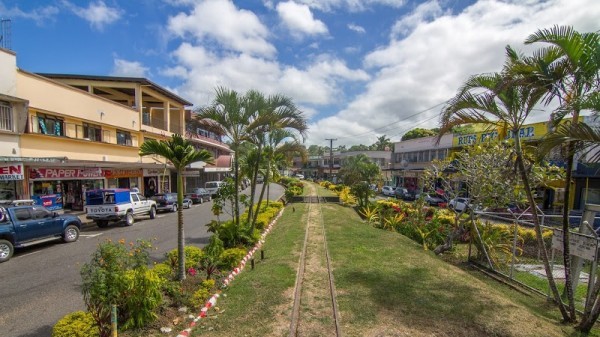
{"x": 273, "y": 113}
{"x": 418, "y": 133}
{"x": 503, "y": 101}
{"x": 230, "y": 115}
{"x": 359, "y": 172}
{"x": 568, "y": 68}
{"x": 180, "y": 153}
{"x": 382, "y": 143}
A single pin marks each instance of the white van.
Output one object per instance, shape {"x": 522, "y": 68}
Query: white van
{"x": 213, "y": 186}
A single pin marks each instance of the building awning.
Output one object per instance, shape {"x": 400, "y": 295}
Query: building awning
{"x": 222, "y": 164}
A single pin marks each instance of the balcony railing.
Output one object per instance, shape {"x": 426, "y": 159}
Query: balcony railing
{"x": 154, "y": 122}
{"x": 58, "y": 128}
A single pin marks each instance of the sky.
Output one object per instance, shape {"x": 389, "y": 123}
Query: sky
{"x": 358, "y": 69}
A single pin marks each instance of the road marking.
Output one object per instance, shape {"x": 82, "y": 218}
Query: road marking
{"x": 90, "y": 235}
{"x": 39, "y": 251}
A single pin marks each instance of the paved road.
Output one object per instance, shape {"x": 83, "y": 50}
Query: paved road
{"x": 41, "y": 284}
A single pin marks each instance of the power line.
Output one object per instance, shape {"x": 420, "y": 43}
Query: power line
{"x": 396, "y": 122}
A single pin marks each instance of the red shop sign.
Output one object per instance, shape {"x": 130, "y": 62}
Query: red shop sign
{"x": 65, "y": 173}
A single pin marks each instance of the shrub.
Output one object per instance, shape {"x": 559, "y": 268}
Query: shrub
{"x": 203, "y": 294}
{"x": 142, "y": 298}
{"x": 498, "y": 242}
{"x": 193, "y": 255}
{"x": 76, "y": 324}
{"x": 164, "y": 271}
{"x": 231, "y": 257}
{"x": 105, "y": 280}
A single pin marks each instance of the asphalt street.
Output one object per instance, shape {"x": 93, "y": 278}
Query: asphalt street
{"x": 41, "y": 284}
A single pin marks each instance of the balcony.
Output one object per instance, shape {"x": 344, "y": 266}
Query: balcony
{"x": 58, "y": 128}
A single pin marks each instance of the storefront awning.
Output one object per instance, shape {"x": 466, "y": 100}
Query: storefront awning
{"x": 222, "y": 164}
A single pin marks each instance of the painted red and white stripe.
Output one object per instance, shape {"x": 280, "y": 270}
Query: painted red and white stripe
{"x": 213, "y": 299}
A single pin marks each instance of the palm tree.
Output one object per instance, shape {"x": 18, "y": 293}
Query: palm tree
{"x": 276, "y": 151}
{"x": 504, "y": 103}
{"x": 180, "y": 153}
{"x": 568, "y": 68}
{"x": 275, "y": 112}
{"x": 230, "y": 116}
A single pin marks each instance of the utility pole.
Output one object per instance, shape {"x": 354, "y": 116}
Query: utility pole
{"x": 330, "y": 156}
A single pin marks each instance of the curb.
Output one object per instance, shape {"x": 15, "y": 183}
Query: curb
{"x": 213, "y": 300}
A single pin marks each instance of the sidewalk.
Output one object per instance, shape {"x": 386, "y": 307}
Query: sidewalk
{"x": 81, "y": 214}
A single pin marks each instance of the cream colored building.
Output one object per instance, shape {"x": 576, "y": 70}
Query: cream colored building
{"x": 70, "y": 133}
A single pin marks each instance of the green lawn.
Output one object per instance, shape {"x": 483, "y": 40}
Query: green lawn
{"x": 386, "y": 286}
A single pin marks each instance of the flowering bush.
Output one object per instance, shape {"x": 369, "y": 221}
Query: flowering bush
{"x": 118, "y": 275}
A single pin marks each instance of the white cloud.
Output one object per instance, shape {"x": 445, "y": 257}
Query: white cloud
{"x": 350, "y": 5}
{"x": 431, "y": 53}
{"x": 220, "y": 22}
{"x": 356, "y": 28}
{"x": 97, "y": 13}
{"x": 299, "y": 19}
{"x": 129, "y": 69}
{"x": 40, "y": 15}
{"x": 316, "y": 84}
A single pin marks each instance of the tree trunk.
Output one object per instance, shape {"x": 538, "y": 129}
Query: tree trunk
{"x": 253, "y": 184}
{"x": 538, "y": 229}
{"x": 180, "y": 234}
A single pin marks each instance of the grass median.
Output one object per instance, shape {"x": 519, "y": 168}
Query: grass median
{"x": 386, "y": 286}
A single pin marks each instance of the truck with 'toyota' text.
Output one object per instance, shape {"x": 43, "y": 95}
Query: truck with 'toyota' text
{"x": 116, "y": 204}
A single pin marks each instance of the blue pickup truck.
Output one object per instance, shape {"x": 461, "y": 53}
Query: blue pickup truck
{"x": 23, "y": 224}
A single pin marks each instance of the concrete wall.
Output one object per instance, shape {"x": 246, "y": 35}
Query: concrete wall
{"x": 54, "y": 97}
{"x": 8, "y": 70}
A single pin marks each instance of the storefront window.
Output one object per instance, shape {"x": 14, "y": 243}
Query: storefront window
{"x": 8, "y": 190}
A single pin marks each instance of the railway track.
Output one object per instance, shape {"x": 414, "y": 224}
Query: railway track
{"x": 315, "y": 311}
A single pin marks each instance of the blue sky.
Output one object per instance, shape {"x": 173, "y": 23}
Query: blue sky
{"x": 359, "y": 69}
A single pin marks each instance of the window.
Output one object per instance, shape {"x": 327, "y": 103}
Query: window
{"x": 92, "y": 132}
{"x": 123, "y": 138}
{"x": 22, "y": 214}
{"x": 5, "y": 117}
{"x": 50, "y": 125}
{"x": 41, "y": 213}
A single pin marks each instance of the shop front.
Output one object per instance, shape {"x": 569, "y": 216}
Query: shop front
{"x": 63, "y": 188}
{"x": 11, "y": 181}
{"x": 156, "y": 181}
{"x": 123, "y": 178}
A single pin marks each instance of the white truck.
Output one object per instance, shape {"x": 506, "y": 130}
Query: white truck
{"x": 105, "y": 205}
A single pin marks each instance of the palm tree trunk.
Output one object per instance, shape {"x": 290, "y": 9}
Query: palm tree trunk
{"x": 180, "y": 233}
{"x": 566, "y": 235}
{"x": 538, "y": 229}
{"x": 236, "y": 209}
{"x": 566, "y": 227}
{"x": 253, "y": 184}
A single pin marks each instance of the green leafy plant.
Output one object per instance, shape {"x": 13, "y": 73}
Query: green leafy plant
{"x": 76, "y": 324}
{"x": 231, "y": 257}
{"x": 106, "y": 281}
{"x": 193, "y": 255}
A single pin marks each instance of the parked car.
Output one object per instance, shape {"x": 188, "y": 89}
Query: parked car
{"x": 165, "y": 201}
{"x": 213, "y": 186}
{"x": 459, "y": 204}
{"x": 198, "y": 195}
{"x": 388, "y": 191}
{"x": 29, "y": 224}
{"x": 116, "y": 204}
{"x": 433, "y": 199}
{"x": 404, "y": 194}
{"x": 300, "y": 176}
{"x": 187, "y": 203}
